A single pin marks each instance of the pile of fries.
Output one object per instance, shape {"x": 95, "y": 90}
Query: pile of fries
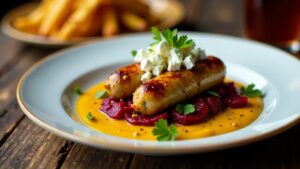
{"x": 73, "y": 19}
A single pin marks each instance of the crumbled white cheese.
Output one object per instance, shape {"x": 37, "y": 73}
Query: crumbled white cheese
{"x": 189, "y": 62}
{"x": 146, "y": 76}
{"x": 161, "y": 48}
{"x": 175, "y": 62}
{"x": 140, "y": 55}
{"x": 146, "y": 65}
{"x": 157, "y": 59}
{"x": 161, "y": 56}
{"x": 157, "y": 70}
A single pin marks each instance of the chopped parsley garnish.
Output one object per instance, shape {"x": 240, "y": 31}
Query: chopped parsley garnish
{"x": 133, "y": 53}
{"x": 163, "y": 131}
{"x": 77, "y": 90}
{"x": 185, "y": 109}
{"x": 101, "y": 94}
{"x": 250, "y": 91}
{"x": 172, "y": 38}
{"x": 90, "y": 116}
{"x": 213, "y": 93}
{"x": 156, "y": 34}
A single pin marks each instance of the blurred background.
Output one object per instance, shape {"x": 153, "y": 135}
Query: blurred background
{"x": 201, "y": 15}
{"x": 274, "y": 22}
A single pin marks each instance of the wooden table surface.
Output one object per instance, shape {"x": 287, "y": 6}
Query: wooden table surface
{"x": 25, "y": 145}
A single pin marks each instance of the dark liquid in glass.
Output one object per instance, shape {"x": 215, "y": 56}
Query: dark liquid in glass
{"x": 273, "y": 21}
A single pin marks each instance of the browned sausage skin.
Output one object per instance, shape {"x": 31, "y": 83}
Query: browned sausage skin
{"x": 123, "y": 82}
{"x": 172, "y": 87}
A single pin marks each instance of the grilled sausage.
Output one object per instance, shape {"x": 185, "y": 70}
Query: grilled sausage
{"x": 172, "y": 87}
{"x": 123, "y": 82}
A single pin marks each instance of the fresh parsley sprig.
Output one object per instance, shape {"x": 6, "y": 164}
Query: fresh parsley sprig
{"x": 172, "y": 38}
{"x": 250, "y": 91}
{"x": 133, "y": 53}
{"x": 185, "y": 109}
{"x": 77, "y": 90}
{"x": 101, "y": 94}
{"x": 163, "y": 131}
{"x": 90, "y": 116}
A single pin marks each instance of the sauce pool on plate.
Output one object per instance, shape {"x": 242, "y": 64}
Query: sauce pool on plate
{"x": 226, "y": 121}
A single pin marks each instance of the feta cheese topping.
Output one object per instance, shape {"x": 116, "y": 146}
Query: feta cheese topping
{"x": 170, "y": 52}
{"x": 146, "y": 76}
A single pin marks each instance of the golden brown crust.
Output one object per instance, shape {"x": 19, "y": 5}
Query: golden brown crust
{"x": 172, "y": 87}
{"x": 123, "y": 82}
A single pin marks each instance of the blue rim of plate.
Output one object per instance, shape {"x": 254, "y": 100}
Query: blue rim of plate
{"x": 149, "y": 147}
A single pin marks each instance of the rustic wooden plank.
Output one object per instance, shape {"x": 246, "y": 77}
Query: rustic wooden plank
{"x": 82, "y": 157}
{"x": 9, "y": 120}
{"x": 30, "y": 146}
{"x": 278, "y": 152}
{"x": 203, "y": 161}
{"x": 9, "y": 80}
{"x": 9, "y": 51}
{"x": 9, "y": 116}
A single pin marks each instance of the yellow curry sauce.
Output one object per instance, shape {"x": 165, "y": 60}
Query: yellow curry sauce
{"x": 226, "y": 121}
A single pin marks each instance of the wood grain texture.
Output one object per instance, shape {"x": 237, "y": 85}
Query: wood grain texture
{"x": 30, "y": 146}
{"x": 10, "y": 50}
{"x": 277, "y": 152}
{"x": 203, "y": 161}
{"x": 82, "y": 157}
{"x": 9, "y": 80}
{"x": 9, "y": 120}
{"x": 12, "y": 69}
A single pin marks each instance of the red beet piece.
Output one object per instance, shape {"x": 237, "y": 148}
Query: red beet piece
{"x": 220, "y": 90}
{"x": 215, "y": 104}
{"x": 200, "y": 114}
{"x": 139, "y": 119}
{"x": 236, "y": 101}
{"x": 114, "y": 108}
{"x": 229, "y": 88}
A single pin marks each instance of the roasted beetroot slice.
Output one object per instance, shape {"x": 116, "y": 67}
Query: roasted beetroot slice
{"x": 220, "y": 90}
{"x": 114, "y": 108}
{"x": 215, "y": 104}
{"x": 229, "y": 88}
{"x": 139, "y": 119}
{"x": 236, "y": 101}
{"x": 201, "y": 113}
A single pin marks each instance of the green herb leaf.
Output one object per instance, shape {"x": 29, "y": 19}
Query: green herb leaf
{"x": 185, "y": 109}
{"x": 133, "y": 53}
{"x": 180, "y": 108}
{"x": 101, "y": 94}
{"x": 163, "y": 131}
{"x": 251, "y": 92}
{"x": 213, "y": 93}
{"x": 156, "y": 34}
{"x": 77, "y": 90}
{"x": 188, "y": 109}
{"x": 90, "y": 116}
{"x": 171, "y": 38}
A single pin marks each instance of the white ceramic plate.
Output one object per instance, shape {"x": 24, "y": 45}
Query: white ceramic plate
{"x": 45, "y": 91}
{"x": 160, "y": 9}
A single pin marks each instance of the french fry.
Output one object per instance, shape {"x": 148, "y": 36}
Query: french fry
{"x": 55, "y": 17}
{"x": 110, "y": 22}
{"x": 133, "y": 21}
{"x": 30, "y": 23}
{"x": 69, "y": 19}
{"x": 71, "y": 28}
